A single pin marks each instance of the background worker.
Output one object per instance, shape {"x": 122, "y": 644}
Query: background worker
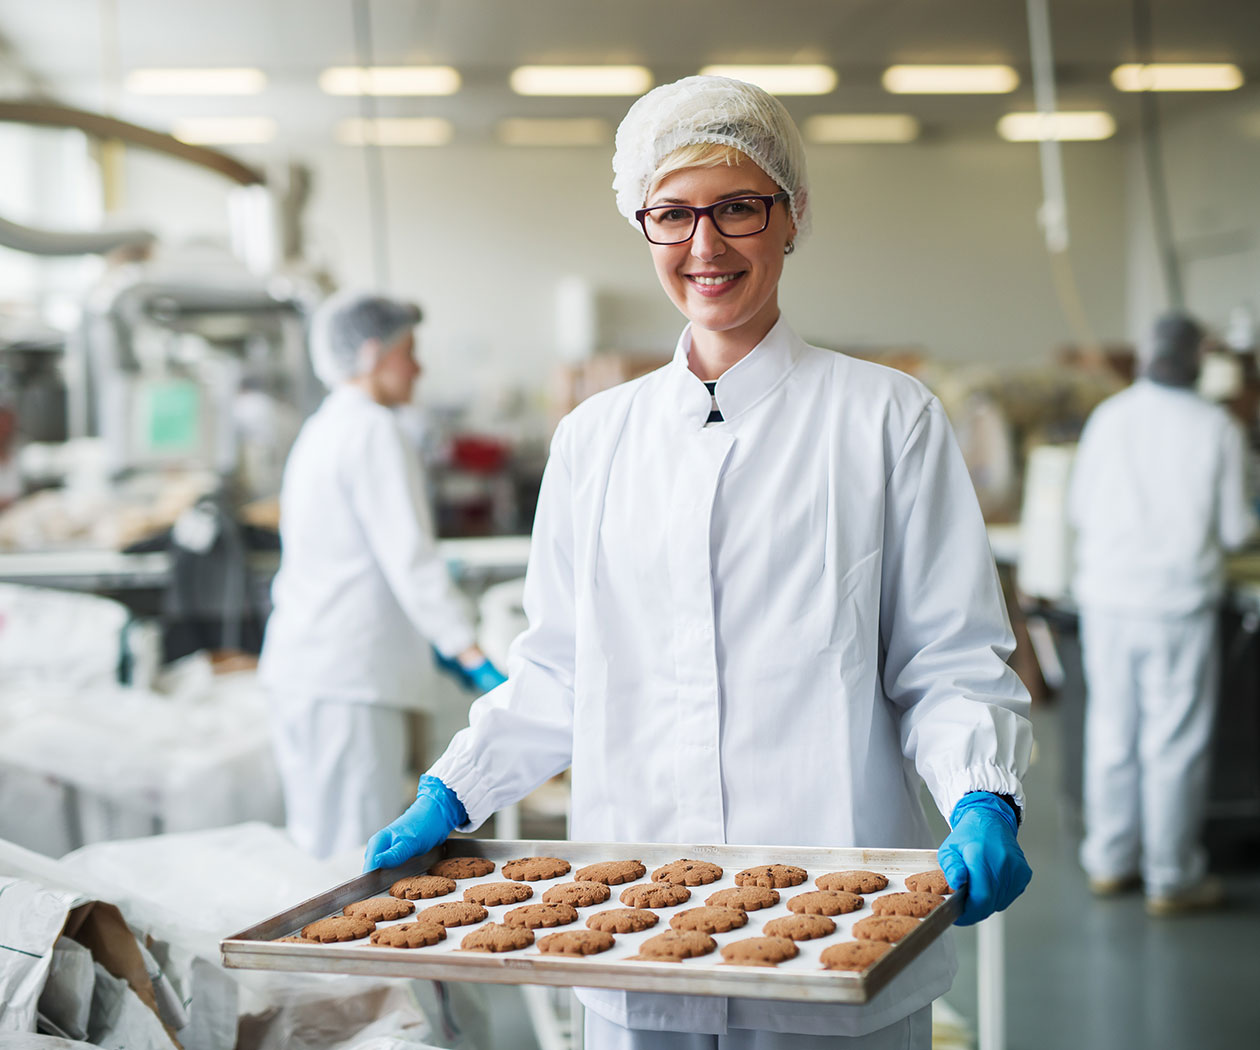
{"x": 780, "y": 582}
{"x": 1157, "y": 496}
{"x": 361, "y": 585}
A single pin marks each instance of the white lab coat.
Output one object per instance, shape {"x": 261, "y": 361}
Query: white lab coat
{"x": 360, "y": 593}
{"x": 1157, "y": 496}
{"x": 361, "y": 588}
{"x": 756, "y": 632}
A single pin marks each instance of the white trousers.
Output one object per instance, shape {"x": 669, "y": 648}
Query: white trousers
{"x": 910, "y": 1033}
{"x": 341, "y": 768}
{"x": 1151, "y": 703}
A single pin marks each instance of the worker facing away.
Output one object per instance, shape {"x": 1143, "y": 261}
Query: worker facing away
{"x": 360, "y": 588}
{"x": 1157, "y": 496}
{"x": 762, "y": 564}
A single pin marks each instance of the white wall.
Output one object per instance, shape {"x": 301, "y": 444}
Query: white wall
{"x": 1212, "y": 159}
{"x": 934, "y": 245}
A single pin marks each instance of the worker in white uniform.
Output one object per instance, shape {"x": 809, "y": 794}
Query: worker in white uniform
{"x": 360, "y": 588}
{"x": 1157, "y": 496}
{"x": 760, "y": 595}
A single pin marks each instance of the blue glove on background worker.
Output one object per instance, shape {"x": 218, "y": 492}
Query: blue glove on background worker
{"x": 435, "y": 813}
{"x": 981, "y": 855}
{"x": 479, "y": 679}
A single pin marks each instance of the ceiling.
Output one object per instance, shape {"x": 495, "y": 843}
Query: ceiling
{"x": 79, "y": 50}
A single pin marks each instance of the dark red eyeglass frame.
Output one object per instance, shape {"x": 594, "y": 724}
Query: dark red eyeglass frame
{"x": 698, "y": 212}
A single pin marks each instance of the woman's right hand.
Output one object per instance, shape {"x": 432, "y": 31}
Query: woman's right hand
{"x": 427, "y": 822}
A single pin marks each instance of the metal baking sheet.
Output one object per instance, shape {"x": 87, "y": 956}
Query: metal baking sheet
{"x": 801, "y": 979}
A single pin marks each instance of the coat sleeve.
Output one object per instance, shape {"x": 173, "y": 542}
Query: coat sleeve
{"x": 521, "y": 733}
{"x": 388, "y": 495}
{"x": 944, "y": 628}
{"x": 1235, "y": 519}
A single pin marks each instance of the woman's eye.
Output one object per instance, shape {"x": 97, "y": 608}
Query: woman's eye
{"x": 674, "y": 215}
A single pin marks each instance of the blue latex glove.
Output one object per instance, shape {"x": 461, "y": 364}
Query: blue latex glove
{"x": 480, "y": 679}
{"x": 981, "y": 854}
{"x": 435, "y": 813}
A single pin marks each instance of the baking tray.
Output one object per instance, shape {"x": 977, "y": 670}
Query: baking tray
{"x": 801, "y": 979}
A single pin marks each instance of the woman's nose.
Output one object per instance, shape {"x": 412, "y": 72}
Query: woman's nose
{"x": 707, "y": 242}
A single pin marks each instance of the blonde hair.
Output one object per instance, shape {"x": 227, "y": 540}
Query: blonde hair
{"x": 697, "y": 155}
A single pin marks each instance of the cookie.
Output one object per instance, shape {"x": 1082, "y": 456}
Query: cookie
{"x": 462, "y": 867}
{"x": 534, "y": 869}
{"x": 338, "y": 928}
{"x": 759, "y": 951}
{"x": 800, "y": 927}
{"x": 298, "y": 939}
{"x": 916, "y": 905}
{"x": 824, "y": 902}
{"x": 497, "y": 937}
{"x": 576, "y": 942}
{"x": 709, "y": 920}
{"x": 776, "y": 876}
{"x": 655, "y": 895}
{"x": 579, "y": 894}
{"x": 854, "y": 955}
{"x": 676, "y": 945}
{"x": 890, "y": 928}
{"x": 746, "y": 898}
{"x": 612, "y": 872}
{"x": 852, "y": 881}
{"x": 417, "y": 887}
{"x": 535, "y": 915}
{"x": 492, "y": 894}
{"x": 688, "y": 873}
{"x": 928, "y": 882}
{"x": 380, "y": 909}
{"x": 453, "y": 913}
{"x": 409, "y": 935}
{"x": 622, "y": 920}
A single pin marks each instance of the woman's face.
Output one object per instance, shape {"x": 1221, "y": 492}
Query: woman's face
{"x": 396, "y": 372}
{"x": 723, "y": 284}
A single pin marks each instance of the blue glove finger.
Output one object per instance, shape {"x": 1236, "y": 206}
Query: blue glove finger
{"x": 952, "y": 866}
{"x": 377, "y": 844}
{"x": 981, "y": 888}
{"x": 485, "y": 677}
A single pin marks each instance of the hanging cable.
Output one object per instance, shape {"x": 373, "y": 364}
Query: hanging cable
{"x": 1151, "y": 134}
{"x": 372, "y": 158}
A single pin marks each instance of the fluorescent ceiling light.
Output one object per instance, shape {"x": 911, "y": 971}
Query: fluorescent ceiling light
{"x": 224, "y": 131}
{"x": 389, "y": 80}
{"x": 832, "y": 128}
{"x": 395, "y": 131}
{"x": 1173, "y": 76}
{"x": 580, "y": 80}
{"x": 781, "y": 80}
{"x": 1079, "y": 126}
{"x": 580, "y": 131}
{"x": 950, "y": 80}
{"x": 195, "y": 81}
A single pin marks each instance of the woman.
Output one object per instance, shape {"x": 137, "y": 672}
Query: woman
{"x": 764, "y": 560}
{"x": 360, "y": 586}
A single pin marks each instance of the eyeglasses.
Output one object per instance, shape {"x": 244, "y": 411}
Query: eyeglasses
{"x": 733, "y": 217}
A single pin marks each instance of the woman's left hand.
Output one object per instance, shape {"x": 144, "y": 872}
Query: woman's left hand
{"x": 981, "y": 856}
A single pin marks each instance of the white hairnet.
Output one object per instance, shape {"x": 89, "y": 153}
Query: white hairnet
{"x": 351, "y": 329}
{"x": 716, "y": 110}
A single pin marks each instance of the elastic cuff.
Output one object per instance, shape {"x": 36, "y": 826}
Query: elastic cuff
{"x": 990, "y": 801}
{"x": 448, "y": 802}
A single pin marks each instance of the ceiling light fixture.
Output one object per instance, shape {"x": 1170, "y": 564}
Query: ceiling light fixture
{"x": 195, "y": 82}
{"x": 950, "y": 80}
{"x": 837, "y": 128}
{"x": 781, "y": 80}
{"x": 224, "y": 131}
{"x": 1077, "y": 126}
{"x": 389, "y": 80}
{"x": 569, "y": 131}
{"x": 581, "y": 80}
{"x": 1177, "y": 76}
{"x": 395, "y": 131}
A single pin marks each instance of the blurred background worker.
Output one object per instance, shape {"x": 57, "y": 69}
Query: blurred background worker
{"x": 1157, "y": 496}
{"x": 360, "y": 585}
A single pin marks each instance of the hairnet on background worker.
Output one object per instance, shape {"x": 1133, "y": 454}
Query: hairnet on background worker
{"x": 1158, "y": 494}
{"x": 360, "y": 586}
{"x": 763, "y": 556}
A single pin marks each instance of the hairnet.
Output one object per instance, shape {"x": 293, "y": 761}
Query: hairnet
{"x": 715, "y": 110}
{"x": 351, "y": 329}
{"x": 1174, "y": 353}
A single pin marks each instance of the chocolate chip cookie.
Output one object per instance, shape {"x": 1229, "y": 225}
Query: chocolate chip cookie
{"x": 890, "y": 928}
{"x": 747, "y": 898}
{"x": 338, "y": 928}
{"x": 688, "y": 873}
{"x": 916, "y": 905}
{"x": 576, "y": 942}
{"x": 380, "y": 909}
{"x": 775, "y": 876}
{"x": 453, "y": 913}
{"x": 852, "y": 881}
{"x": 854, "y": 955}
{"x": 417, "y": 887}
{"x": 462, "y": 867}
{"x": 759, "y": 951}
{"x": 497, "y": 937}
{"x": 579, "y": 894}
{"x": 622, "y": 920}
{"x": 535, "y": 915}
{"x": 800, "y": 927}
{"x": 676, "y": 945}
{"x": 709, "y": 920}
{"x": 492, "y": 894}
{"x": 824, "y": 902}
{"x": 655, "y": 895}
{"x": 409, "y": 935}
{"x": 612, "y": 872}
